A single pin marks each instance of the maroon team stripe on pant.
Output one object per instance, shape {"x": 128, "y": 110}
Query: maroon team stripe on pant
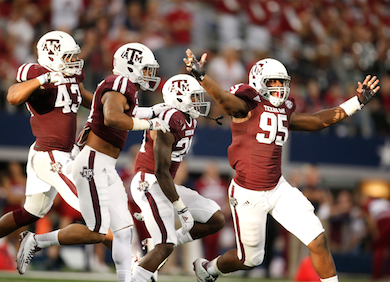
{"x": 67, "y": 181}
{"x": 94, "y": 194}
{"x": 156, "y": 215}
{"x": 237, "y": 227}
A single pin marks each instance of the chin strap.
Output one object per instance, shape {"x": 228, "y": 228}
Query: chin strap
{"x": 216, "y": 119}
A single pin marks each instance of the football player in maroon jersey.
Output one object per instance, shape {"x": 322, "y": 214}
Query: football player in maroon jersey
{"x": 262, "y": 115}
{"x": 153, "y": 187}
{"x": 102, "y": 196}
{"x": 52, "y": 90}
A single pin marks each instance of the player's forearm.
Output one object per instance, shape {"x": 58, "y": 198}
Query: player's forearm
{"x": 230, "y": 104}
{"x": 19, "y": 93}
{"x": 330, "y": 117}
{"x": 167, "y": 185}
{"x": 214, "y": 89}
{"x": 316, "y": 121}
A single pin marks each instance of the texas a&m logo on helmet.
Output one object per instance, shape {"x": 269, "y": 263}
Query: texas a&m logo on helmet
{"x": 257, "y": 69}
{"x": 51, "y": 46}
{"x": 132, "y": 56}
{"x": 180, "y": 86}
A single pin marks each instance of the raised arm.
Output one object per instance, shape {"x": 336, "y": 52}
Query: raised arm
{"x": 230, "y": 104}
{"x": 316, "y": 121}
{"x": 328, "y": 117}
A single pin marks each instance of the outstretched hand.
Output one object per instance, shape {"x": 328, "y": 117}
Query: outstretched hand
{"x": 367, "y": 89}
{"x": 194, "y": 67}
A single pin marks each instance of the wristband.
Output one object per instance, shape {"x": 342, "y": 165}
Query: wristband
{"x": 141, "y": 124}
{"x": 182, "y": 211}
{"x": 179, "y": 205}
{"x": 42, "y": 79}
{"x": 351, "y": 106}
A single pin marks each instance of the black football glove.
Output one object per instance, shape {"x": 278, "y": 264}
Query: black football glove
{"x": 366, "y": 95}
{"x": 198, "y": 70}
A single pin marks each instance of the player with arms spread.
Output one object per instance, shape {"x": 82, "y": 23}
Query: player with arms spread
{"x": 102, "y": 196}
{"x": 153, "y": 188}
{"x": 52, "y": 91}
{"x": 262, "y": 115}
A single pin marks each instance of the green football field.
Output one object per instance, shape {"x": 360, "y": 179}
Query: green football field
{"x": 43, "y": 276}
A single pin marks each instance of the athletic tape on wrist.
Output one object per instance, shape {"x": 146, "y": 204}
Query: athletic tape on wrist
{"x": 351, "y": 106}
{"x": 140, "y": 124}
{"x": 42, "y": 79}
{"x": 179, "y": 205}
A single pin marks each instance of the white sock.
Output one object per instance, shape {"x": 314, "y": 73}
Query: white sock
{"x": 212, "y": 267}
{"x": 121, "y": 253}
{"x": 181, "y": 239}
{"x": 123, "y": 276}
{"x": 331, "y": 279}
{"x": 141, "y": 275}
{"x": 47, "y": 239}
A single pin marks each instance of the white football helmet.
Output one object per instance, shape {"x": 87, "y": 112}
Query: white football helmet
{"x": 58, "y": 51}
{"x": 183, "y": 92}
{"x": 136, "y": 62}
{"x": 265, "y": 70}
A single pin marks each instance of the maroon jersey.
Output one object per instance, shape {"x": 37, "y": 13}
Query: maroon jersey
{"x": 95, "y": 120}
{"x": 53, "y": 109}
{"x": 183, "y": 132}
{"x": 256, "y": 150}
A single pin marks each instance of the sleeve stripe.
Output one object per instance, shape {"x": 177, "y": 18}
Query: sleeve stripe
{"x": 168, "y": 114}
{"x": 117, "y": 81}
{"x": 25, "y": 72}
{"x": 22, "y": 72}
{"x": 124, "y": 86}
{"x": 18, "y": 73}
{"x": 115, "y": 86}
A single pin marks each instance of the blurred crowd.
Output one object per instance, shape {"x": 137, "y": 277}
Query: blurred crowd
{"x": 326, "y": 45}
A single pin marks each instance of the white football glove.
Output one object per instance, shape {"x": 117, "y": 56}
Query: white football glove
{"x": 186, "y": 220}
{"x": 55, "y": 77}
{"x": 159, "y": 108}
{"x": 158, "y": 124}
